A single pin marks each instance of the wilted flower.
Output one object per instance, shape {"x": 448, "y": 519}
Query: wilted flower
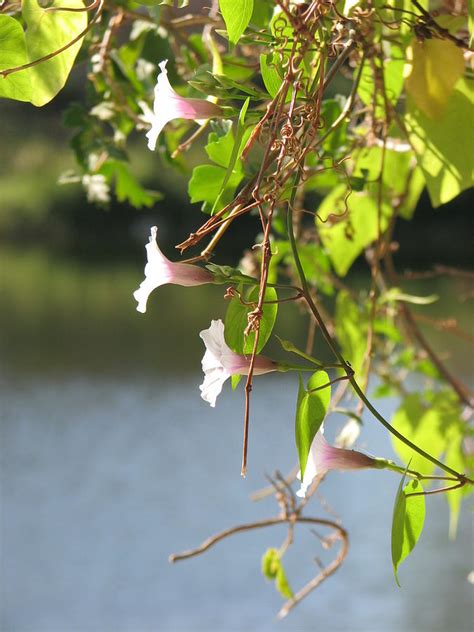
{"x": 323, "y": 457}
{"x": 160, "y": 270}
{"x": 220, "y": 362}
{"x": 169, "y": 105}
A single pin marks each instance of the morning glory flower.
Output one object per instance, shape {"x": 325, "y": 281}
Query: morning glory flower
{"x": 220, "y": 362}
{"x": 169, "y": 105}
{"x": 324, "y": 457}
{"x": 160, "y": 270}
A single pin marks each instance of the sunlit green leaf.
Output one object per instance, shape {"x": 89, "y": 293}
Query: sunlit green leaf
{"x": 444, "y": 146}
{"x": 219, "y": 147}
{"x": 281, "y": 583}
{"x": 236, "y": 14}
{"x": 427, "y": 424}
{"x": 48, "y": 31}
{"x": 13, "y": 53}
{"x": 391, "y": 85}
{"x": 351, "y": 224}
{"x": 270, "y": 75}
{"x": 270, "y": 563}
{"x": 456, "y": 459}
{"x": 235, "y": 379}
{"x": 236, "y": 321}
{"x": 272, "y": 569}
{"x": 311, "y": 409}
{"x": 434, "y": 68}
{"x": 234, "y": 164}
{"x": 351, "y": 330}
{"x": 206, "y": 184}
{"x": 408, "y": 520}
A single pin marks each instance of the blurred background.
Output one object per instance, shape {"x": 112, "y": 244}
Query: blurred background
{"x": 110, "y": 461}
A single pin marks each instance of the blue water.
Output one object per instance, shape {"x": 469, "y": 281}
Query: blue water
{"x": 102, "y": 480}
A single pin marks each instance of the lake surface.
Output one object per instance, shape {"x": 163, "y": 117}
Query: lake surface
{"x": 110, "y": 461}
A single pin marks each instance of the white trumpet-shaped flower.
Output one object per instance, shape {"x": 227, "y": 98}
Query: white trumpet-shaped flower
{"x": 323, "y": 457}
{"x": 169, "y": 105}
{"x": 220, "y": 362}
{"x": 160, "y": 270}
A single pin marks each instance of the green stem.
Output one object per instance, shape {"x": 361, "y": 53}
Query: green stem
{"x": 350, "y": 373}
{"x": 385, "y": 464}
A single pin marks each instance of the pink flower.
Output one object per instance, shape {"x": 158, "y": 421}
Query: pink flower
{"x": 160, "y": 270}
{"x": 324, "y": 457}
{"x": 220, "y": 362}
{"x": 168, "y": 105}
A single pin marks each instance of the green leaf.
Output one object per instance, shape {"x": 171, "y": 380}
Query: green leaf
{"x": 408, "y": 520}
{"x": 215, "y": 185}
{"x": 236, "y": 14}
{"x": 456, "y": 459}
{"x": 206, "y": 184}
{"x": 351, "y": 329}
{"x": 427, "y": 424}
{"x": 272, "y": 569}
{"x": 13, "y": 53}
{"x": 219, "y": 148}
{"x": 127, "y": 187}
{"x": 443, "y": 146}
{"x": 235, "y": 379}
{"x": 433, "y": 70}
{"x": 346, "y": 236}
{"x": 282, "y": 585}
{"x": 392, "y": 80}
{"x": 48, "y": 31}
{"x": 311, "y": 409}
{"x": 270, "y": 563}
{"x": 236, "y": 321}
{"x": 233, "y": 166}
{"x": 270, "y": 75}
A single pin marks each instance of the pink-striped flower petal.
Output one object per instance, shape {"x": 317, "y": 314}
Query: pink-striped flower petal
{"x": 220, "y": 362}
{"x": 160, "y": 270}
{"x": 169, "y": 105}
{"x": 324, "y": 457}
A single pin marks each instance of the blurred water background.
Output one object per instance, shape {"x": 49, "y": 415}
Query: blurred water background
{"x": 110, "y": 461}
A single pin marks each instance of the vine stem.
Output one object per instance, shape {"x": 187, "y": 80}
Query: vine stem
{"x": 260, "y": 524}
{"x": 332, "y": 345}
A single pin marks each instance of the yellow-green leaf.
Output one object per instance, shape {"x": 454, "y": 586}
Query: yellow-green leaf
{"x": 236, "y": 14}
{"x": 434, "y": 66}
{"x": 46, "y": 32}
{"x": 351, "y": 330}
{"x": 311, "y": 409}
{"x": 407, "y": 523}
{"x": 444, "y": 147}
{"x": 13, "y": 54}
{"x": 350, "y": 225}
{"x": 236, "y": 320}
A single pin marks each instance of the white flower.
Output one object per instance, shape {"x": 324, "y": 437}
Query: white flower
{"x": 169, "y": 105}
{"x": 220, "y": 362}
{"x": 160, "y": 270}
